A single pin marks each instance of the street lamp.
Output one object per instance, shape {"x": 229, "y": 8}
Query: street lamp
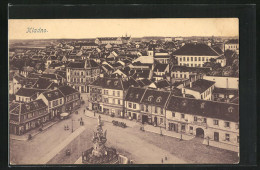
{"x": 72, "y": 125}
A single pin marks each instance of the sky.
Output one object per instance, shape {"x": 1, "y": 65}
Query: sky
{"x": 92, "y": 28}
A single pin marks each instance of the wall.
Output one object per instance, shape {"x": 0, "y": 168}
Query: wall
{"x": 224, "y": 82}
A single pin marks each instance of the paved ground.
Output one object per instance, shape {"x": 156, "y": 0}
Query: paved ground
{"x": 141, "y": 147}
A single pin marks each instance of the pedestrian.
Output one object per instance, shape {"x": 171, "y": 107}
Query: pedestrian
{"x": 65, "y": 128}
{"x": 162, "y": 160}
{"x": 84, "y": 111}
{"x": 94, "y": 113}
{"x": 166, "y": 158}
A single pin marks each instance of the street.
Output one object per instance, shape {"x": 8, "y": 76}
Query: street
{"x": 141, "y": 147}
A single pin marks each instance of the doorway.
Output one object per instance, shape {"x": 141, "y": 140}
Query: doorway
{"x": 200, "y": 132}
{"x": 144, "y": 119}
{"x": 155, "y": 121}
{"x": 216, "y": 136}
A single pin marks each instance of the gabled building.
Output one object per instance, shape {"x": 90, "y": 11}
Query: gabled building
{"x": 71, "y": 98}
{"x": 160, "y": 71}
{"x": 26, "y": 116}
{"x": 27, "y": 94}
{"x": 55, "y": 100}
{"x": 153, "y": 105}
{"x": 132, "y": 103}
{"x": 200, "y": 89}
{"x": 233, "y": 45}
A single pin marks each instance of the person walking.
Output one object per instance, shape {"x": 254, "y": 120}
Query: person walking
{"x": 84, "y": 111}
{"x": 162, "y": 160}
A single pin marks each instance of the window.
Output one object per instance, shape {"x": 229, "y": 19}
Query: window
{"x": 114, "y": 101}
{"x": 199, "y": 58}
{"x": 227, "y": 124}
{"x": 191, "y": 128}
{"x": 180, "y": 59}
{"x": 230, "y": 109}
{"x": 205, "y": 120}
{"x": 146, "y": 108}
{"x": 60, "y": 101}
{"x": 82, "y": 73}
{"x": 118, "y": 101}
{"x": 191, "y": 58}
{"x": 215, "y": 122}
{"x": 202, "y": 105}
{"x": 114, "y": 93}
{"x": 183, "y": 58}
{"x": 150, "y": 98}
{"x": 134, "y": 106}
{"x": 203, "y": 58}
{"x": 237, "y": 126}
{"x": 183, "y": 127}
{"x": 187, "y": 58}
{"x": 227, "y": 137}
{"x": 155, "y": 109}
{"x": 195, "y": 58}
{"x": 130, "y": 105}
{"x": 162, "y": 111}
{"x": 159, "y": 99}
{"x": 191, "y": 65}
{"x": 173, "y": 114}
{"x": 195, "y": 118}
{"x": 182, "y": 116}
{"x": 118, "y": 93}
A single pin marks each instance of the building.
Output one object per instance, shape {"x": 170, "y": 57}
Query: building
{"x": 199, "y": 89}
{"x": 107, "y": 95}
{"x": 168, "y": 39}
{"x": 225, "y": 95}
{"x": 233, "y": 45}
{"x": 132, "y": 103}
{"x": 153, "y": 105}
{"x": 81, "y": 74}
{"x": 113, "y": 40}
{"x": 160, "y": 71}
{"x": 195, "y": 55}
{"x": 55, "y": 101}
{"x": 27, "y": 116}
{"x": 71, "y": 98}
{"x": 216, "y": 122}
{"x": 27, "y": 94}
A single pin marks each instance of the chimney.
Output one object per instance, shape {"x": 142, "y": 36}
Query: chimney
{"x": 183, "y": 93}
{"x": 227, "y": 83}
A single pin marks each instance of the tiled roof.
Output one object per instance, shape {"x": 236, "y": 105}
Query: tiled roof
{"x": 141, "y": 74}
{"x": 107, "y": 38}
{"x": 204, "y": 108}
{"x": 28, "y": 92}
{"x": 155, "y": 97}
{"x": 67, "y": 90}
{"x": 200, "y": 85}
{"x": 42, "y": 83}
{"x": 49, "y": 76}
{"x": 225, "y": 91}
{"x": 115, "y": 83}
{"x": 232, "y": 41}
{"x": 196, "y": 50}
{"x": 162, "y": 84}
{"x": 53, "y": 95}
{"x": 22, "y": 108}
{"x": 218, "y": 50}
{"x": 76, "y": 65}
{"x": 134, "y": 94}
{"x": 160, "y": 67}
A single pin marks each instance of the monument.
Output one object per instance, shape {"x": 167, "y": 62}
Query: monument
{"x": 99, "y": 153}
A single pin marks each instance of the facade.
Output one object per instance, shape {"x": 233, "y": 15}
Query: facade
{"x": 195, "y": 55}
{"x": 160, "y": 71}
{"x": 213, "y": 121}
{"x": 54, "y": 99}
{"x": 232, "y": 45}
{"x": 71, "y": 98}
{"x": 107, "y": 95}
{"x": 81, "y": 74}
{"x": 153, "y": 105}
{"x": 113, "y": 40}
{"x": 132, "y": 103}
{"x": 26, "y": 116}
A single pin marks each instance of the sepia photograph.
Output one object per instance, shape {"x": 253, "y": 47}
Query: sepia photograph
{"x": 123, "y": 91}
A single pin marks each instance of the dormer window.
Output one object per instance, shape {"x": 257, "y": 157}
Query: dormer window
{"x": 159, "y": 99}
{"x": 136, "y": 96}
{"x": 49, "y": 95}
{"x": 56, "y": 93}
{"x": 150, "y": 98}
{"x": 116, "y": 83}
{"x": 35, "y": 104}
{"x": 108, "y": 82}
{"x": 230, "y": 109}
{"x": 131, "y": 95}
{"x": 202, "y": 106}
{"x": 184, "y": 103}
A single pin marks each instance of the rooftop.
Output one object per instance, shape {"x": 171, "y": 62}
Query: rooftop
{"x": 200, "y": 85}
{"x": 196, "y": 50}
